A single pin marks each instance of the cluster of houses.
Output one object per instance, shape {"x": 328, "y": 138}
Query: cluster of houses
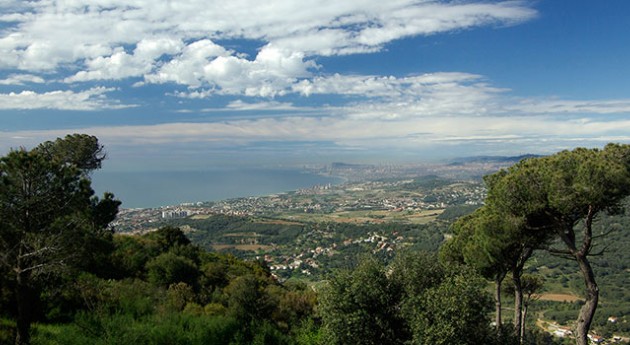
{"x": 567, "y": 332}
{"x": 307, "y": 261}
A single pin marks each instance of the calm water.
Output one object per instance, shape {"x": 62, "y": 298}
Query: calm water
{"x": 154, "y": 189}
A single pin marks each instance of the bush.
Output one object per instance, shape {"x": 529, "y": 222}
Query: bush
{"x": 170, "y": 268}
{"x": 174, "y": 328}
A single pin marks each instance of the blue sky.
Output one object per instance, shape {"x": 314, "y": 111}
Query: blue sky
{"x": 192, "y": 84}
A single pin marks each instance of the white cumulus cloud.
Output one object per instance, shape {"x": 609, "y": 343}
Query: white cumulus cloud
{"x": 176, "y": 41}
{"x": 88, "y": 100}
{"x": 21, "y": 79}
{"x": 121, "y": 64}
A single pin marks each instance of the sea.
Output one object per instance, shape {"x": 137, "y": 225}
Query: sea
{"x": 151, "y": 189}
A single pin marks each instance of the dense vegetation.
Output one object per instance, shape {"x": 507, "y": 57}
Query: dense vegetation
{"x": 549, "y": 203}
{"x": 51, "y": 225}
{"x": 161, "y": 289}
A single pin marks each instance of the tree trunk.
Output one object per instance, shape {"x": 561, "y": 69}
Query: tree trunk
{"x": 587, "y": 312}
{"x": 518, "y": 304}
{"x": 497, "y": 298}
{"x": 523, "y": 320}
{"x": 25, "y": 311}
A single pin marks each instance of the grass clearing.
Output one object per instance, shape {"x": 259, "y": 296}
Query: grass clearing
{"x": 558, "y": 297}
{"x": 244, "y": 247}
{"x": 201, "y": 216}
{"x": 278, "y": 222}
{"x": 367, "y": 216}
{"x": 242, "y": 234}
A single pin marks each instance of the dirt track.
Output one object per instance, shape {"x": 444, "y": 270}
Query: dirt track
{"x": 558, "y": 297}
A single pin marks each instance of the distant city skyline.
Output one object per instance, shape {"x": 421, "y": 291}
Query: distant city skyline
{"x": 193, "y": 84}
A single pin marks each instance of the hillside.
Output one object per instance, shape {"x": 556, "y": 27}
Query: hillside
{"x": 310, "y": 233}
{"x": 313, "y": 231}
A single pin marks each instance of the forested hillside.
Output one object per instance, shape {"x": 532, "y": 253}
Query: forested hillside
{"x": 561, "y": 280}
{"x": 305, "y": 249}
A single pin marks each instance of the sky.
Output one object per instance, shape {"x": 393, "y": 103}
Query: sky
{"x": 195, "y": 84}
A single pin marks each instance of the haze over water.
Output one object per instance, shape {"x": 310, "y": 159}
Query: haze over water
{"x": 162, "y": 188}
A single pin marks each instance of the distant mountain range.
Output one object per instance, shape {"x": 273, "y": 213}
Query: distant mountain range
{"x": 491, "y": 159}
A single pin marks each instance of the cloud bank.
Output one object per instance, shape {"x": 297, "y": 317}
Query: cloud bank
{"x": 262, "y": 65}
{"x": 180, "y": 42}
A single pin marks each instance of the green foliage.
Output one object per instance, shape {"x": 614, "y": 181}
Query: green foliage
{"x": 168, "y": 237}
{"x": 454, "y": 312}
{"x": 359, "y": 307}
{"x": 442, "y": 304}
{"x": 496, "y": 243}
{"x": 51, "y": 225}
{"x": 81, "y": 150}
{"x": 43, "y": 212}
{"x": 457, "y": 211}
{"x": 131, "y": 255}
{"x": 294, "y": 305}
{"x": 558, "y": 190}
{"x": 175, "y": 328}
{"x": 169, "y": 268}
{"x": 244, "y": 298}
{"x": 531, "y": 284}
{"x": 107, "y": 296}
{"x": 6, "y": 331}
{"x": 415, "y": 300}
{"x": 308, "y": 333}
{"x": 243, "y": 305}
{"x": 554, "y": 194}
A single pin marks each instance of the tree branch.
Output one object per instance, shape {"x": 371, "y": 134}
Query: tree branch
{"x": 38, "y": 252}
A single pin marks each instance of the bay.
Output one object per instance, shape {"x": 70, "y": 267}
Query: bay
{"x": 163, "y": 188}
